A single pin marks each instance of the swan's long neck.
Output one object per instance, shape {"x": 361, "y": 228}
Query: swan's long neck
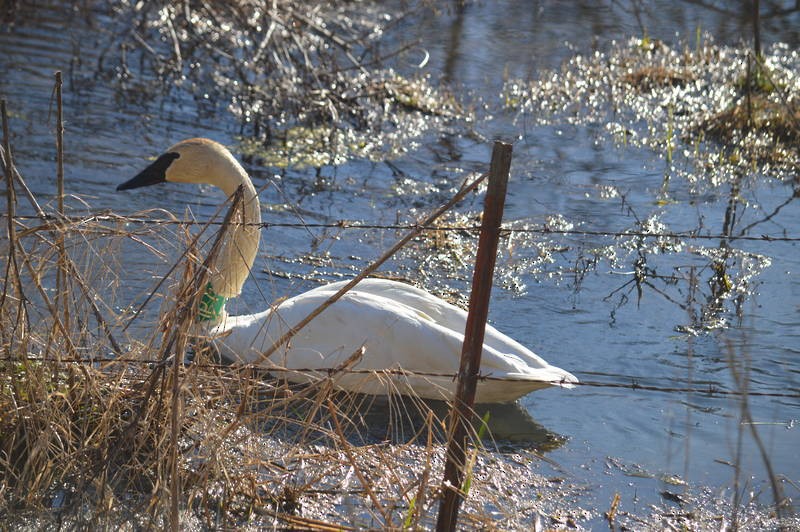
{"x": 232, "y": 265}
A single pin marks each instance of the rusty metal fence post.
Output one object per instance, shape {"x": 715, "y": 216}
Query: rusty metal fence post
{"x": 460, "y": 414}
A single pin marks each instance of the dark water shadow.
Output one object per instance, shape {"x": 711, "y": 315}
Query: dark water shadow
{"x": 398, "y": 419}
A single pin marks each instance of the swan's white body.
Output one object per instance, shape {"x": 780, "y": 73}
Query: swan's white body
{"x": 400, "y": 327}
{"x": 413, "y": 334}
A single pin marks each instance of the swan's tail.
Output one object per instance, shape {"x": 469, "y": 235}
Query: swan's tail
{"x": 513, "y": 385}
{"x": 549, "y": 376}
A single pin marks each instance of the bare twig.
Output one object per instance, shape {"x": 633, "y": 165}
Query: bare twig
{"x": 61, "y": 274}
{"x": 12, "y": 268}
{"x": 742, "y": 382}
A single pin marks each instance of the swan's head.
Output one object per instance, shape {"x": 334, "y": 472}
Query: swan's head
{"x": 204, "y": 161}
{"x": 200, "y": 161}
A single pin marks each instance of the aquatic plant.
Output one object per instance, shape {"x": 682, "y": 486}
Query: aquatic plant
{"x": 308, "y": 86}
{"x": 646, "y": 93}
{"x": 719, "y": 117}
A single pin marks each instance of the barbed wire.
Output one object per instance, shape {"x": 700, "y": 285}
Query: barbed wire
{"x": 355, "y": 224}
{"x": 635, "y": 383}
{"x": 629, "y": 382}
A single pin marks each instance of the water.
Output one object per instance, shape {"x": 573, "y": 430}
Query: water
{"x": 618, "y": 439}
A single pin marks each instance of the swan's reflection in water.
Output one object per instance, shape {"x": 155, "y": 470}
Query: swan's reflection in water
{"x": 401, "y": 418}
{"x": 306, "y": 414}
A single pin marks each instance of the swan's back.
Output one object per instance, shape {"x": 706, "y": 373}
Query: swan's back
{"x": 400, "y": 327}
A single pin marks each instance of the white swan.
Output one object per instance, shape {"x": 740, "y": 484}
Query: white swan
{"x": 398, "y": 326}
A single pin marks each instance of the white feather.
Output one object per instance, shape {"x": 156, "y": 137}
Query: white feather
{"x": 400, "y": 327}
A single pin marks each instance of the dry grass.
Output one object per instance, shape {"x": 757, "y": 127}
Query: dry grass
{"x": 653, "y": 76}
{"x": 756, "y": 113}
{"x": 141, "y": 433}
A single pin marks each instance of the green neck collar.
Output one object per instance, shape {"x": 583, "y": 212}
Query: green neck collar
{"x": 211, "y": 305}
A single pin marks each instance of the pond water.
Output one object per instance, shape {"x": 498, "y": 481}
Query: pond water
{"x": 618, "y": 440}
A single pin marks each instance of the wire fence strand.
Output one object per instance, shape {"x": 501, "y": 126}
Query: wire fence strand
{"x": 357, "y": 225}
{"x": 631, "y": 382}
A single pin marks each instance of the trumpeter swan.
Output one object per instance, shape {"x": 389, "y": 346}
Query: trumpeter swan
{"x": 399, "y": 327}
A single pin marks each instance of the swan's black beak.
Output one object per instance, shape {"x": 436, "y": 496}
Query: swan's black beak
{"x": 152, "y": 175}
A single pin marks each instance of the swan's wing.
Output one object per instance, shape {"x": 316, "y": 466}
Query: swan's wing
{"x": 446, "y": 315}
{"x": 393, "y": 334}
{"x": 438, "y": 309}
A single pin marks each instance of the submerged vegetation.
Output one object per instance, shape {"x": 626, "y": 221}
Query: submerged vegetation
{"x": 106, "y": 417}
{"x": 711, "y": 112}
{"x": 308, "y": 86}
{"x": 718, "y": 117}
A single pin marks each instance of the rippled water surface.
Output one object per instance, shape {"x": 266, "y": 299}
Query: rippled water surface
{"x": 618, "y": 439}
